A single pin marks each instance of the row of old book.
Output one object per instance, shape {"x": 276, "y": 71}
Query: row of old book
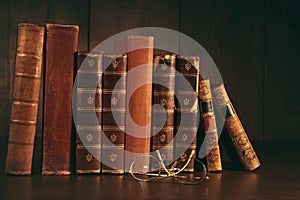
{"x": 102, "y": 100}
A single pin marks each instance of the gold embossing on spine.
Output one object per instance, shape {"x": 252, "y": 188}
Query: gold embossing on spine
{"x": 25, "y": 101}
{"x": 213, "y": 156}
{"x": 89, "y": 112}
{"x": 114, "y": 100}
{"x": 236, "y": 130}
{"x": 186, "y": 107}
{"x": 164, "y": 96}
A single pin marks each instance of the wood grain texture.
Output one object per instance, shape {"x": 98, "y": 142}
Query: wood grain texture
{"x": 282, "y": 97}
{"x": 232, "y": 32}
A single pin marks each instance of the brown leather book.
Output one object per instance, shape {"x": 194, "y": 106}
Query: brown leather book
{"x": 114, "y": 103}
{"x": 213, "y": 156}
{"x": 139, "y": 100}
{"x": 61, "y": 45}
{"x": 187, "y": 109}
{"x": 88, "y": 115}
{"x": 235, "y": 129}
{"x": 163, "y": 95}
{"x": 25, "y": 100}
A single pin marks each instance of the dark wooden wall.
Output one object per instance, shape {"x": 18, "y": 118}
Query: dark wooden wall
{"x": 255, "y": 44}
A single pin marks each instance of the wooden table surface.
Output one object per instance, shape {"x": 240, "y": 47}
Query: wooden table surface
{"x": 277, "y": 178}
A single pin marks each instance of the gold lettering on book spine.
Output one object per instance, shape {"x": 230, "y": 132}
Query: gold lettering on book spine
{"x": 213, "y": 156}
{"x": 236, "y": 131}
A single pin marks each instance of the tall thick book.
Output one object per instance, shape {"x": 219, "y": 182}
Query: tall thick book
{"x": 25, "y": 100}
{"x": 187, "y": 109}
{"x": 88, "y": 115}
{"x": 138, "y": 95}
{"x": 164, "y": 72}
{"x": 213, "y": 156}
{"x": 114, "y": 103}
{"x": 235, "y": 129}
{"x": 61, "y": 46}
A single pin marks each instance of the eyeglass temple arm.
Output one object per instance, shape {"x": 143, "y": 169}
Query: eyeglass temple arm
{"x": 161, "y": 162}
{"x": 186, "y": 164}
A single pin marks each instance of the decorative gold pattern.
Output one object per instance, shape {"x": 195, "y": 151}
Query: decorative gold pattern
{"x": 90, "y": 100}
{"x": 89, "y": 157}
{"x": 163, "y": 137}
{"x": 186, "y": 101}
{"x": 187, "y": 66}
{"x": 113, "y": 137}
{"x": 113, "y": 157}
{"x": 115, "y": 64}
{"x": 89, "y": 137}
{"x": 163, "y": 102}
{"x": 184, "y": 137}
{"x": 114, "y": 101}
{"x": 91, "y": 62}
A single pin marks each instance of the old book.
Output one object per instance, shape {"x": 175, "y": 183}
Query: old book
{"x": 25, "y": 100}
{"x": 114, "y": 103}
{"x": 213, "y": 156}
{"x": 235, "y": 129}
{"x": 138, "y": 95}
{"x": 163, "y": 115}
{"x": 88, "y": 115}
{"x": 187, "y": 109}
{"x": 61, "y": 45}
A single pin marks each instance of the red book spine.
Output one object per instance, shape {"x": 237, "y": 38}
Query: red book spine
{"x": 61, "y": 45}
{"x": 25, "y": 101}
{"x": 139, "y": 100}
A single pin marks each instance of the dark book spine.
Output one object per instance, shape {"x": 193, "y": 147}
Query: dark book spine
{"x": 88, "y": 114}
{"x": 187, "y": 109}
{"x": 25, "y": 100}
{"x": 213, "y": 156}
{"x": 235, "y": 129}
{"x": 61, "y": 45}
{"x": 139, "y": 99}
{"x": 114, "y": 103}
{"x": 164, "y": 96}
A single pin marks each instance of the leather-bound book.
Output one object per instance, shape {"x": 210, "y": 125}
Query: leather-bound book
{"x": 25, "y": 100}
{"x": 187, "y": 109}
{"x": 61, "y": 45}
{"x": 163, "y": 114}
{"x": 114, "y": 100}
{"x": 235, "y": 129}
{"x": 213, "y": 156}
{"x": 138, "y": 96}
{"x": 88, "y": 113}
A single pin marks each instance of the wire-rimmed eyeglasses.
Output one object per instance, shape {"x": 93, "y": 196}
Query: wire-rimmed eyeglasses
{"x": 148, "y": 167}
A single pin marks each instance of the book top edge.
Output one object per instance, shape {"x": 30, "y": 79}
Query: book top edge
{"x": 62, "y": 27}
{"x": 31, "y": 26}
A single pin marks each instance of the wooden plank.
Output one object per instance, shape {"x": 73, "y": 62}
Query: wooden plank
{"x": 71, "y": 12}
{"x": 233, "y": 34}
{"x": 111, "y": 17}
{"x": 282, "y": 110}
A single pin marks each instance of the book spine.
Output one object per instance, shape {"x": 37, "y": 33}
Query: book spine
{"x": 88, "y": 112}
{"x": 138, "y": 100}
{"x": 164, "y": 96}
{"x": 61, "y": 45}
{"x": 26, "y": 91}
{"x": 114, "y": 103}
{"x": 213, "y": 156}
{"x": 186, "y": 107}
{"x": 235, "y": 129}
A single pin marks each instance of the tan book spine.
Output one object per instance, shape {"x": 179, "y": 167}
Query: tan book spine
{"x": 25, "y": 100}
{"x": 235, "y": 129}
{"x": 61, "y": 46}
{"x": 140, "y": 99}
{"x": 213, "y": 156}
{"x": 88, "y": 105}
